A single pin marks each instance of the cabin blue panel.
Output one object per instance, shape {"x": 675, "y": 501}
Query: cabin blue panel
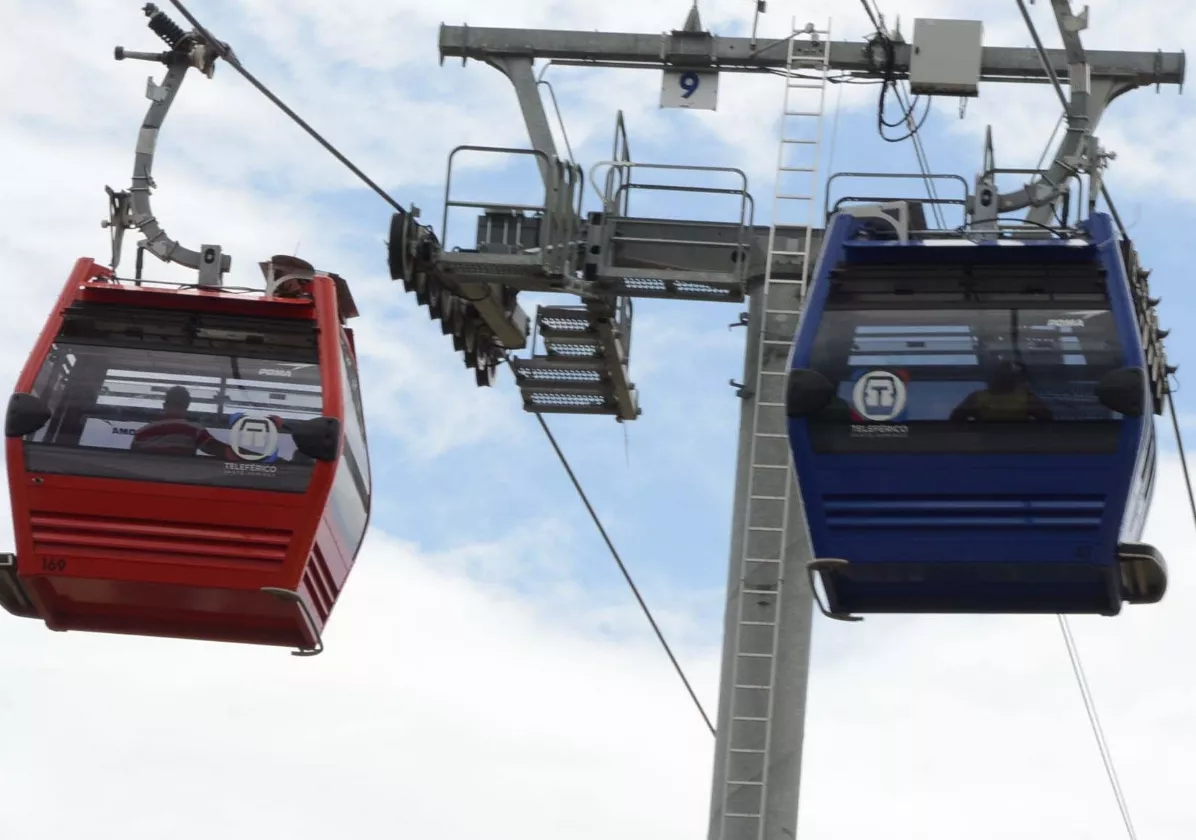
{"x": 967, "y": 456}
{"x": 988, "y": 529}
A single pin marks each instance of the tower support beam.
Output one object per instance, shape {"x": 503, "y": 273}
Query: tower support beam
{"x": 618, "y": 49}
{"x": 518, "y": 69}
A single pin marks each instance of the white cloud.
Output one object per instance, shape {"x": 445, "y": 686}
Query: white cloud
{"x": 489, "y": 687}
{"x": 553, "y": 711}
{"x": 434, "y": 688}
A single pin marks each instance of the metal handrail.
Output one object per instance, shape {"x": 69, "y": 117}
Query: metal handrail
{"x": 920, "y": 176}
{"x": 880, "y": 199}
{"x": 621, "y": 151}
{"x": 628, "y": 165}
{"x": 747, "y": 205}
{"x": 560, "y": 226}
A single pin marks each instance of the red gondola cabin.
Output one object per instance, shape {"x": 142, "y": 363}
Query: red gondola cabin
{"x": 188, "y": 462}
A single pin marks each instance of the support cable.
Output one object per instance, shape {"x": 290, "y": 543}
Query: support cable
{"x": 1042, "y": 54}
{"x": 1183, "y": 458}
{"x": 1049, "y": 70}
{"x": 887, "y": 70}
{"x": 924, "y": 162}
{"x": 1077, "y": 668}
{"x": 830, "y": 164}
{"x": 226, "y": 52}
{"x": 1046, "y": 150}
{"x": 1055, "y": 83}
{"x": 623, "y": 568}
{"x": 873, "y": 14}
{"x": 1058, "y": 85}
{"x": 228, "y": 56}
{"x": 1073, "y": 653}
{"x": 909, "y": 106}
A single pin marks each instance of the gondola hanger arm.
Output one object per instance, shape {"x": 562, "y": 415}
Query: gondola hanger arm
{"x": 131, "y": 208}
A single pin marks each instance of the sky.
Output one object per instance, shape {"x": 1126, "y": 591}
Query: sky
{"x": 487, "y": 672}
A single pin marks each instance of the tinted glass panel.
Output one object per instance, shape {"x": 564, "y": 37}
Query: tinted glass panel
{"x": 991, "y": 379}
{"x": 355, "y": 437}
{"x": 152, "y": 414}
{"x": 348, "y": 507}
{"x": 350, "y": 500}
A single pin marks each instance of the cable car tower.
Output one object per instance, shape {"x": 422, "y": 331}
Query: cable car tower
{"x": 580, "y": 355}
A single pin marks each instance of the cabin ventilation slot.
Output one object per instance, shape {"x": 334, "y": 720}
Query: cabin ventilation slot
{"x": 153, "y": 541}
{"x": 322, "y": 589}
{"x": 863, "y": 512}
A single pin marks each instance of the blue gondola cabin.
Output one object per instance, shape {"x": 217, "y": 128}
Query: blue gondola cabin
{"x": 972, "y": 424}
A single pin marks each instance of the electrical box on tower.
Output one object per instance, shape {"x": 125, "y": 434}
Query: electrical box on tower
{"x": 945, "y": 57}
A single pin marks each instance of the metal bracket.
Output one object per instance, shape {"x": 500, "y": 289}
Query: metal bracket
{"x": 119, "y": 220}
{"x": 295, "y": 598}
{"x": 824, "y": 565}
{"x": 689, "y": 46}
{"x": 1070, "y": 23}
{"x": 289, "y": 276}
{"x": 14, "y": 598}
{"x": 131, "y": 209}
{"x": 741, "y": 391}
{"x": 211, "y": 265}
{"x": 1098, "y": 163}
{"x": 1143, "y": 573}
{"x": 1082, "y": 116}
{"x": 893, "y": 214}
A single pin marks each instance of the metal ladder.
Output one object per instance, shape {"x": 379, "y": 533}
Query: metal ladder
{"x": 772, "y": 485}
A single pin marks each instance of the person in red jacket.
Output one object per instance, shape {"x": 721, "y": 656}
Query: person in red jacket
{"x": 174, "y": 434}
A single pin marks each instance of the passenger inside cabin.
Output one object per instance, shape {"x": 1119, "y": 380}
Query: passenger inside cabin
{"x": 1007, "y": 398}
{"x": 174, "y": 434}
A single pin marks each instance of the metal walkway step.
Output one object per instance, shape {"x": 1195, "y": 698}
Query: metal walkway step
{"x": 583, "y": 368}
{"x": 673, "y": 258}
{"x": 524, "y": 271}
{"x": 674, "y": 284}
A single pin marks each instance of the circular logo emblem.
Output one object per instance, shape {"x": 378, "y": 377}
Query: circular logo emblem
{"x": 879, "y": 396}
{"x": 253, "y": 437}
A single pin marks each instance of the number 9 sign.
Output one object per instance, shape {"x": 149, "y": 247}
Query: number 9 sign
{"x": 694, "y": 89}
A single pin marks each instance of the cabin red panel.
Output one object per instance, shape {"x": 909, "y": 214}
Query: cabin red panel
{"x": 158, "y": 557}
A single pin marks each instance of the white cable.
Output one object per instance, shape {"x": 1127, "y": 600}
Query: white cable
{"x": 1102, "y": 744}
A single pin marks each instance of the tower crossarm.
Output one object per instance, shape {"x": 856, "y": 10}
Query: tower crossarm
{"x": 613, "y": 49}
